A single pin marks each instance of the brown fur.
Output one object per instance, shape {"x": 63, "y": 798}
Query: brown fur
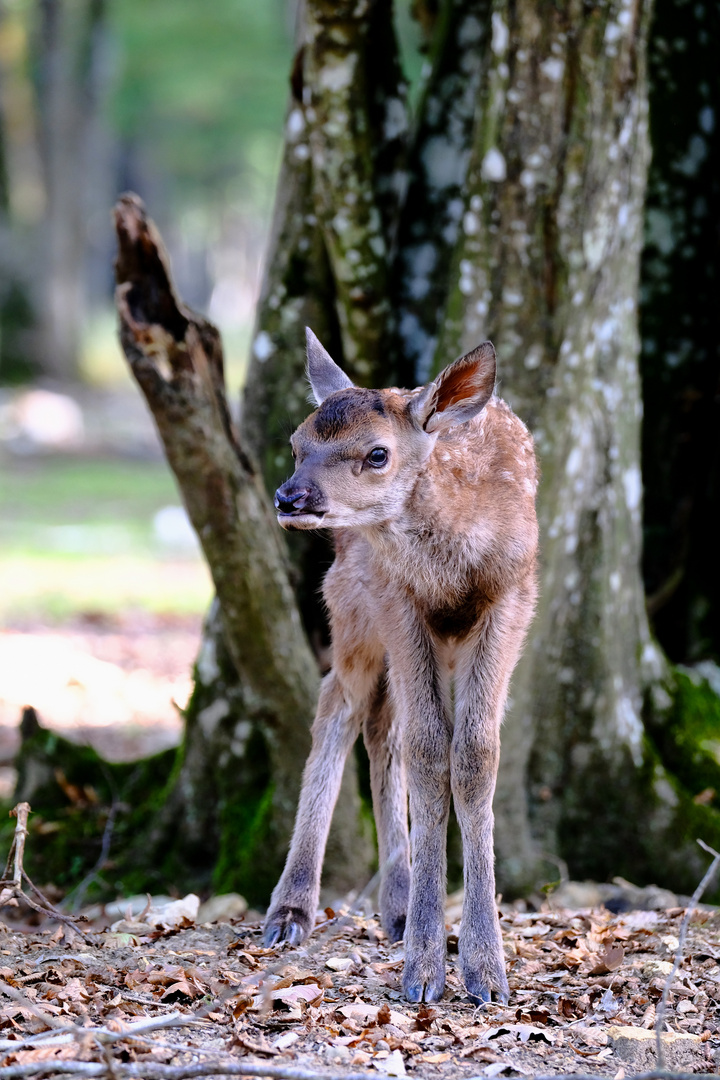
{"x": 430, "y": 596}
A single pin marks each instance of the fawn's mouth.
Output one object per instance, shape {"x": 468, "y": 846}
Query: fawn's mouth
{"x": 301, "y": 519}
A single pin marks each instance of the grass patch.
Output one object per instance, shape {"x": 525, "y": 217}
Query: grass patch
{"x": 79, "y": 536}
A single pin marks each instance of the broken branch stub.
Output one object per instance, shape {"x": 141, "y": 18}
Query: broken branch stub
{"x": 176, "y": 358}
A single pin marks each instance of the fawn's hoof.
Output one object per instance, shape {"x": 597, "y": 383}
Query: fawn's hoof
{"x": 394, "y": 927}
{"x": 489, "y": 983}
{"x": 424, "y": 978}
{"x": 286, "y": 924}
{"x": 424, "y": 991}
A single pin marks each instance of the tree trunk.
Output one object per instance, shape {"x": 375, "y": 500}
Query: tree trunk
{"x": 680, "y": 324}
{"x": 69, "y": 83}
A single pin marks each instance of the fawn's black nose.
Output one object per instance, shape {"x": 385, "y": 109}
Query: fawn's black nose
{"x": 289, "y": 498}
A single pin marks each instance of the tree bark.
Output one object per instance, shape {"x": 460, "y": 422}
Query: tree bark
{"x": 69, "y": 81}
{"x": 680, "y": 326}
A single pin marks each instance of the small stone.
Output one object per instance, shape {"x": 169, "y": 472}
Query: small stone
{"x": 339, "y": 963}
{"x": 339, "y": 1054}
{"x": 393, "y": 1065}
{"x": 221, "y": 908}
{"x": 636, "y": 1046}
{"x": 656, "y": 967}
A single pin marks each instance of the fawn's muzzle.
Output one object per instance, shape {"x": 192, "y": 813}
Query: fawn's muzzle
{"x": 294, "y": 498}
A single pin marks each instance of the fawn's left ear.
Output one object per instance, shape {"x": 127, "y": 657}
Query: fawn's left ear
{"x": 460, "y": 392}
{"x": 323, "y": 373}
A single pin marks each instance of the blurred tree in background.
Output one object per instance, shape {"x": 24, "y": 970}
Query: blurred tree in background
{"x": 97, "y": 96}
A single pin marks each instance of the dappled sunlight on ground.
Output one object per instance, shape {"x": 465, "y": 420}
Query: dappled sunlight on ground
{"x": 117, "y": 686}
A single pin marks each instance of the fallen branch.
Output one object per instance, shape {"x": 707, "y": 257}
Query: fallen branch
{"x": 17, "y": 847}
{"x": 149, "y": 1071}
{"x": 11, "y": 890}
{"x": 694, "y": 901}
{"x": 75, "y": 897}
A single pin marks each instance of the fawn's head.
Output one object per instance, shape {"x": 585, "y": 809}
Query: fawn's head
{"x": 358, "y": 456}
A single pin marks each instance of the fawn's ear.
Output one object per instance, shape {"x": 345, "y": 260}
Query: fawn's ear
{"x": 322, "y": 371}
{"x": 460, "y": 392}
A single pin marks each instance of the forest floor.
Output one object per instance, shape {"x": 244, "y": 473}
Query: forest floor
{"x": 585, "y": 992}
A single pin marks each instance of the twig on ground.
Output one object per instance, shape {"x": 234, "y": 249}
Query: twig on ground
{"x": 25, "y": 1003}
{"x": 76, "y": 896}
{"x": 11, "y": 890}
{"x": 152, "y": 1071}
{"x": 694, "y": 901}
{"x": 20, "y": 812}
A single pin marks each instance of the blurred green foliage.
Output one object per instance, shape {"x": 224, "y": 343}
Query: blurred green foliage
{"x": 201, "y": 89}
{"x": 79, "y": 535}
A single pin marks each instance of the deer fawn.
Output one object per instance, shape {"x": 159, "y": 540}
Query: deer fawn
{"x": 431, "y": 493}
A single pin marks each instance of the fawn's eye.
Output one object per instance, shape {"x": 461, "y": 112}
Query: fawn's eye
{"x": 377, "y": 457}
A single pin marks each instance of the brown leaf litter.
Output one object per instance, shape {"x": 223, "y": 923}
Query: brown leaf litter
{"x": 584, "y": 988}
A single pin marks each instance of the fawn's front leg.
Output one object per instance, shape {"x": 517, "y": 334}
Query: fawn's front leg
{"x": 426, "y": 753}
{"x": 291, "y": 915}
{"x": 481, "y": 691}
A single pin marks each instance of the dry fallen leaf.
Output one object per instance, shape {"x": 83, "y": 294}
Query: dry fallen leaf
{"x": 368, "y": 1014}
{"x": 610, "y": 960}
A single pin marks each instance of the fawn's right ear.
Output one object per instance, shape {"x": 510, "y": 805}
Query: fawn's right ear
{"x": 322, "y": 371}
{"x": 459, "y": 392}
